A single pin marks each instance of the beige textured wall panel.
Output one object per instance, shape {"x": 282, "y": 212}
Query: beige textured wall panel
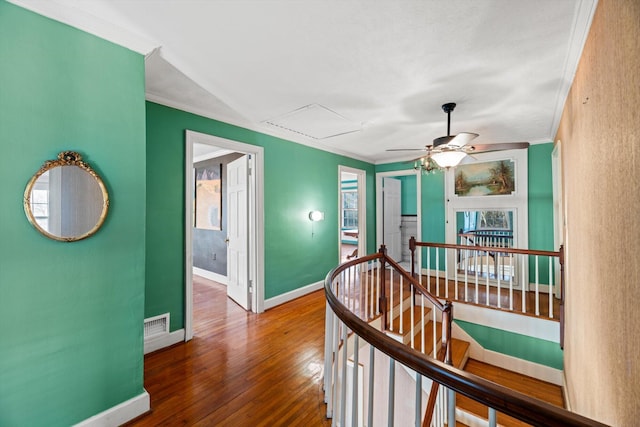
{"x": 600, "y": 134}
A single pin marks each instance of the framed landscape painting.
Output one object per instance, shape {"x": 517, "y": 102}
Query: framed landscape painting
{"x": 208, "y": 197}
{"x": 495, "y": 178}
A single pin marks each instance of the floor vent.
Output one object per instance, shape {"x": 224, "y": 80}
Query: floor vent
{"x": 156, "y": 326}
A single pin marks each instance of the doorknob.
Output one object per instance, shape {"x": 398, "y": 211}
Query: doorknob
{"x": 226, "y": 240}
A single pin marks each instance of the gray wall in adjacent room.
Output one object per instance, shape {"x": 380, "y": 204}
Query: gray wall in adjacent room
{"x": 208, "y": 244}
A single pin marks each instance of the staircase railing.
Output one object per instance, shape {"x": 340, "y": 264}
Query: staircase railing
{"x": 380, "y": 292}
{"x": 496, "y": 276}
{"x": 357, "y": 339}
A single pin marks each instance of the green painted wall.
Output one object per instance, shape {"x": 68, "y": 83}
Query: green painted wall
{"x": 433, "y": 209}
{"x": 71, "y": 313}
{"x": 540, "y": 207}
{"x": 297, "y": 179}
{"x": 408, "y": 195}
{"x": 535, "y": 350}
{"x": 540, "y": 204}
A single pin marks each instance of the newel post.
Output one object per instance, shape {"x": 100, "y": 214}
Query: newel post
{"x": 383, "y": 291}
{"x": 412, "y": 248}
{"x": 447, "y": 335}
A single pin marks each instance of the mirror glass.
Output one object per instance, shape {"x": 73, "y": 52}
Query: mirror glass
{"x": 66, "y": 200}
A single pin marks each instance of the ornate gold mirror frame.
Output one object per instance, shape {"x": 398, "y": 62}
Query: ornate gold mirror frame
{"x": 66, "y": 199}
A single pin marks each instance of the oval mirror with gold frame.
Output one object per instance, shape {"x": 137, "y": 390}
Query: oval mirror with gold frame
{"x": 66, "y": 199}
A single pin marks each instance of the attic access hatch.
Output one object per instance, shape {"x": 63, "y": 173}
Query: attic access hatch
{"x": 315, "y": 121}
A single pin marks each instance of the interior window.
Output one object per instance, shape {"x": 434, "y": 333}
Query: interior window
{"x": 349, "y": 209}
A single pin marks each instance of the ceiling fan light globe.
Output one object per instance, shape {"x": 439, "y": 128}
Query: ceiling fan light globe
{"x": 448, "y": 159}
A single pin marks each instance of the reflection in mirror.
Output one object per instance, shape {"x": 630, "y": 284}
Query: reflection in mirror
{"x": 66, "y": 200}
{"x": 492, "y": 228}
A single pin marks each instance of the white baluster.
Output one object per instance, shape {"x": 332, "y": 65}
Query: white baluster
{"x": 378, "y": 286}
{"x": 486, "y": 255}
{"x": 437, "y": 272}
{"x": 392, "y": 387}
{"x": 492, "y": 417}
{"x": 428, "y": 268}
{"x": 422, "y": 331}
{"x": 498, "y": 274}
{"x": 418, "y": 405}
{"x": 446, "y": 274}
{"x": 372, "y": 360}
{"x": 551, "y": 260}
{"x": 537, "y": 288}
{"x": 412, "y": 306}
{"x": 401, "y": 304}
{"x": 343, "y": 388}
{"x": 511, "y": 270}
{"x": 475, "y": 271}
{"x": 523, "y": 285}
{"x": 354, "y": 382}
{"x": 391, "y": 299}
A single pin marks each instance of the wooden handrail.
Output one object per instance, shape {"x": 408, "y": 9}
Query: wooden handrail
{"x": 447, "y": 318}
{"x": 406, "y": 276}
{"x": 487, "y": 248}
{"x": 503, "y": 399}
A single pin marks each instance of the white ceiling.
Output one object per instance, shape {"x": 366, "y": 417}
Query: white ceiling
{"x": 378, "y": 70}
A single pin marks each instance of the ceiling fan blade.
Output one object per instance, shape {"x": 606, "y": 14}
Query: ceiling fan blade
{"x": 406, "y": 149}
{"x": 462, "y": 139}
{"x": 443, "y": 140}
{"x": 486, "y": 148}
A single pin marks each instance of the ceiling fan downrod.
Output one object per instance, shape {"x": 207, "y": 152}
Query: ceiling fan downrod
{"x": 448, "y": 108}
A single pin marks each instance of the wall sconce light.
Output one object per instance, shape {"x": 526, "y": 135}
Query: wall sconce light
{"x": 316, "y": 216}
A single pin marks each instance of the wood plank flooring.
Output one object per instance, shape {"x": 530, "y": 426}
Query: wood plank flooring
{"x": 533, "y": 387}
{"x": 241, "y": 369}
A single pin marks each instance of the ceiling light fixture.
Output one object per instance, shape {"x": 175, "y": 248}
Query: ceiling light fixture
{"x": 448, "y": 159}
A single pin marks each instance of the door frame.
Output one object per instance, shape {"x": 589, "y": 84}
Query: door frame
{"x": 256, "y": 220}
{"x": 361, "y": 176}
{"x": 379, "y": 207}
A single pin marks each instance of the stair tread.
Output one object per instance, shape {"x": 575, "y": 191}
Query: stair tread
{"x": 406, "y": 319}
{"x": 533, "y": 387}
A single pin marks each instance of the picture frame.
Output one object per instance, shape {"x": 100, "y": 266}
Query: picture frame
{"x": 485, "y": 179}
{"x": 208, "y": 197}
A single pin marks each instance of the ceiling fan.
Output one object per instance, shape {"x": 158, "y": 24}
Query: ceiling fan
{"x": 448, "y": 151}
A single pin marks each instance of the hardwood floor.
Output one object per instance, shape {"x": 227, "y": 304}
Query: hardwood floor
{"x": 542, "y": 390}
{"x": 241, "y": 369}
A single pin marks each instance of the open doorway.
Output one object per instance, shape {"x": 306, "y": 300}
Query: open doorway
{"x": 352, "y": 213}
{"x": 249, "y": 275}
{"x": 398, "y": 213}
{"x": 210, "y": 226}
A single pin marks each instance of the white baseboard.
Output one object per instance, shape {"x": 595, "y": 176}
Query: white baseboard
{"x": 163, "y": 341}
{"x": 521, "y": 366}
{"x": 289, "y": 296}
{"x": 535, "y": 327}
{"x": 120, "y": 414}
{"x": 224, "y": 280}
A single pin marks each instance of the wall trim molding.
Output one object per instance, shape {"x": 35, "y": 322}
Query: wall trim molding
{"x": 291, "y": 295}
{"x": 163, "y": 341}
{"x": 524, "y": 367}
{"x": 121, "y": 413}
{"x": 223, "y": 280}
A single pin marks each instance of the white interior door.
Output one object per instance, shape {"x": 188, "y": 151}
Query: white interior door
{"x": 392, "y": 217}
{"x": 238, "y": 231}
